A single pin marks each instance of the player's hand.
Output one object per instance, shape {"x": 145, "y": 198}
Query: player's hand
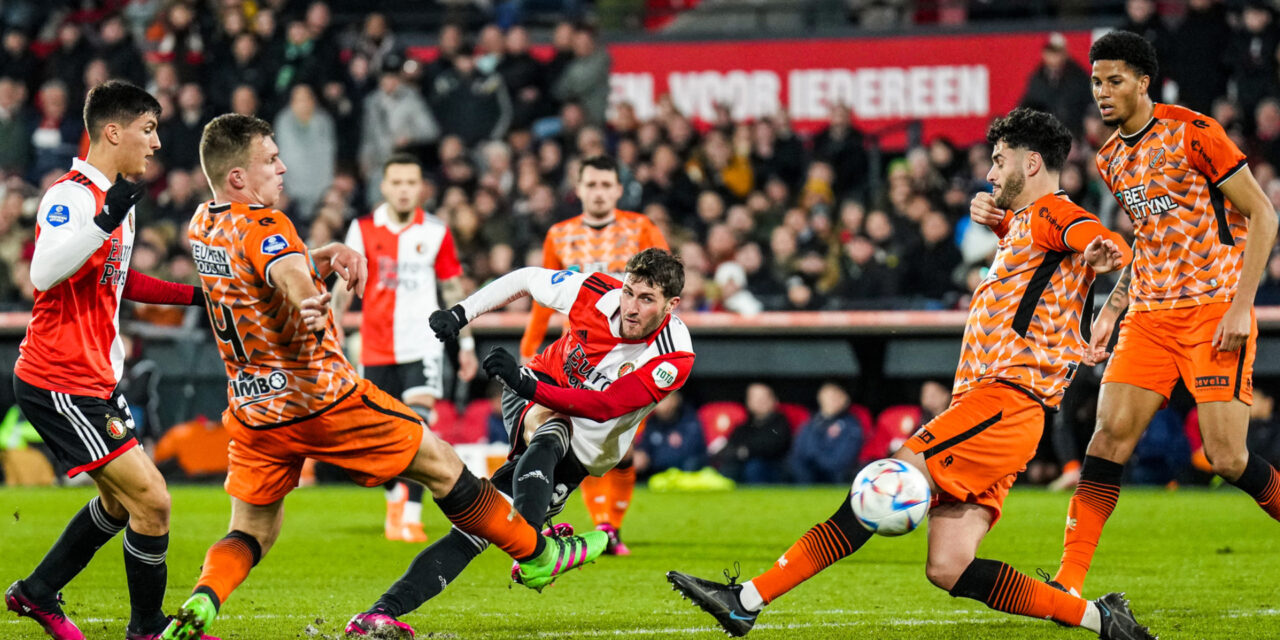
{"x": 1234, "y": 328}
{"x": 983, "y": 210}
{"x": 446, "y": 323}
{"x": 315, "y": 311}
{"x": 1103, "y": 255}
{"x": 1099, "y": 337}
{"x": 120, "y": 199}
{"x": 350, "y": 266}
{"x": 468, "y": 364}
{"x": 502, "y": 365}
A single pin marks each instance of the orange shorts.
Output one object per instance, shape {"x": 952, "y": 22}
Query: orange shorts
{"x": 370, "y": 434}
{"x": 1155, "y": 348}
{"x": 976, "y": 448}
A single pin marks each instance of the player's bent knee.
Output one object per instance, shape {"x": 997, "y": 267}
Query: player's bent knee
{"x": 1229, "y": 466}
{"x": 436, "y": 465}
{"x": 945, "y": 573}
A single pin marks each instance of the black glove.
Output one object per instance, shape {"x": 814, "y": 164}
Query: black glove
{"x": 502, "y": 365}
{"x": 447, "y": 323}
{"x": 120, "y": 199}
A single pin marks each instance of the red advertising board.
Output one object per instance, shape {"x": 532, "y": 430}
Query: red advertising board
{"x": 954, "y": 84}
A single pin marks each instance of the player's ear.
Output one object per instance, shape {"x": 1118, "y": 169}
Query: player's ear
{"x": 1032, "y": 163}
{"x": 672, "y": 303}
{"x": 235, "y": 178}
{"x": 111, "y": 132}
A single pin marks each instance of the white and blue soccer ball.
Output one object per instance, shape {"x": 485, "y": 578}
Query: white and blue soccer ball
{"x": 890, "y": 497}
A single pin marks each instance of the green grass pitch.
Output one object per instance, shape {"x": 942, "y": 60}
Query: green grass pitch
{"x": 1195, "y": 563}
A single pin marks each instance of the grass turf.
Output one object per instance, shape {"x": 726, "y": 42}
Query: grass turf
{"x": 1195, "y": 563}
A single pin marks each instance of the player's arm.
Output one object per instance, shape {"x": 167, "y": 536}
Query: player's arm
{"x": 983, "y": 210}
{"x": 452, "y": 294}
{"x": 636, "y": 390}
{"x": 1244, "y": 193}
{"x": 290, "y": 275}
{"x": 555, "y": 289}
{"x": 539, "y": 316}
{"x": 71, "y": 230}
{"x": 1067, "y": 227}
{"x": 140, "y": 287}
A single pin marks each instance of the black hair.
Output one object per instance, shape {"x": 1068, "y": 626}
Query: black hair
{"x": 1034, "y": 131}
{"x": 119, "y": 102}
{"x": 1128, "y": 47}
{"x": 401, "y": 157}
{"x": 660, "y": 269}
{"x": 600, "y": 163}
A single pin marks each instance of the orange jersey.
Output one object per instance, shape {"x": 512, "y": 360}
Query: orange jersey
{"x": 1189, "y": 239}
{"x": 1024, "y": 325}
{"x": 278, "y": 372}
{"x": 575, "y": 245}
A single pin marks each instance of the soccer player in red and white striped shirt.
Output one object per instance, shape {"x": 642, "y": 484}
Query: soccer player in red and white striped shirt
{"x": 72, "y": 358}
{"x": 410, "y": 254}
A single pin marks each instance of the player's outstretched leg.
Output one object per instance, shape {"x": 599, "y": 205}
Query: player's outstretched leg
{"x": 226, "y": 565}
{"x": 1092, "y": 503}
{"x": 433, "y": 569}
{"x": 37, "y": 595}
{"x": 735, "y": 606}
{"x": 1261, "y": 481}
{"x": 619, "y": 485}
{"x": 534, "y": 478}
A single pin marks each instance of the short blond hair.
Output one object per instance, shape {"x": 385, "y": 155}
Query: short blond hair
{"x": 226, "y": 143}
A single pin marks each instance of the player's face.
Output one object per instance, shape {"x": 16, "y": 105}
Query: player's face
{"x": 599, "y": 191}
{"x": 1117, "y": 90}
{"x": 138, "y": 142}
{"x": 643, "y": 308}
{"x": 401, "y": 185}
{"x": 265, "y": 174}
{"x": 1005, "y": 176}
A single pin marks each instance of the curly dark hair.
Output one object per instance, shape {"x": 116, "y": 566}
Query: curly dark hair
{"x": 1035, "y": 131}
{"x": 660, "y": 269}
{"x": 1131, "y": 48}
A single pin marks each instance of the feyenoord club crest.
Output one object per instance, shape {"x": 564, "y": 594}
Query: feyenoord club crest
{"x": 116, "y": 428}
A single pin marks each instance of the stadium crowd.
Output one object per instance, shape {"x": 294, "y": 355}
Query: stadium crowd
{"x": 765, "y": 218}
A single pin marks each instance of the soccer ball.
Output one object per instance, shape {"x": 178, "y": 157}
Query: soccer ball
{"x": 890, "y": 497}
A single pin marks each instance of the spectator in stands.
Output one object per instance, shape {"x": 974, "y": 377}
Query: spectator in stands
{"x": 1252, "y": 56}
{"x": 841, "y": 145}
{"x": 180, "y": 134}
{"x": 298, "y": 61}
{"x": 1198, "y": 64}
{"x": 1264, "y": 145}
{"x": 585, "y": 80}
{"x": 308, "y": 146}
{"x": 395, "y": 119}
{"x": 935, "y": 397}
{"x": 1141, "y": 17}
{"x": 523, "y": 76}
{"x": 55, "y": 138}
{"x": 827, "y": 446}
{"x": 930, "y": 272}
{"x": 120, "y": 52}
{"x": 1059, "y": 85}
{"x": 182, "y": 43}
{"x": 242, "y": 68}
{"x": 15, "y": 134}
{"x": 184, "y": 191}
{"x": 376, "y": 42}
{"x": 757, "y": 449}
{"x": 66, "y": 63}
{"x": 17, "y": 61}
{"x": 672, "y": 439}
{"x": 471, "y": 103}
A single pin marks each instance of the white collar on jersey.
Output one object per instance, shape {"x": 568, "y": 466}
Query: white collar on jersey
{"x": 91, "y": 172}
{"x": 382, "y": 217}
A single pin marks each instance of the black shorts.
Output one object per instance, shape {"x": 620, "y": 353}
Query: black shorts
{"x": 409, "y": 378}
{"x": 83, "y": 432}
{"x": 513, "y": 409}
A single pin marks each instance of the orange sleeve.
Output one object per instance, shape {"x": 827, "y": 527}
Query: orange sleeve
{"x": 1210, "y": 151}
{"x": 1063, "y": 226}
{"x": 539, "y": 316}
{"x": 653, "y": 237}
{"x": 1079, "y": 235}
{"x": 272, "y": 238}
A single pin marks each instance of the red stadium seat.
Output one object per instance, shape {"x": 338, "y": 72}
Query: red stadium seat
{"x": 719, "y": 419}
{"x": 892, "y": 428}
{"x": 795, "y": 414}
{"x": 462, "y": 428}
{"x": 863, "y": 415}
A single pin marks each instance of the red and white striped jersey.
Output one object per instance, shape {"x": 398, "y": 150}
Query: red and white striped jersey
{"x": 592, "y": 354}
{"x": 405, "y": 265}
{"x": 73, "y": 343}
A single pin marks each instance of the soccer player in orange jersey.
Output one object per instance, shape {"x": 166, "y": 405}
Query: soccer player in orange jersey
{"x": 1022, "y": 343}
{"x": 1204, "y": 230}
{"x": 603, "y": 238}
{"x": 293, "y": 395}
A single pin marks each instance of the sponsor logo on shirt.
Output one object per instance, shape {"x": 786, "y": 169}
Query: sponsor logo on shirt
{"x": 559, "y": 276}
{"x": 211, "y": 261}
{"x": 581, "y": 374}
{"x": 58, "y": 215}
{"x": 1139, "y": 206}
{"x": 626, "y": 368}
{"x": 664, "y": 375}
{"x": 272, "y": 245}
{"x": 247, "y": 386}
{"x": 116, "y": 267}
